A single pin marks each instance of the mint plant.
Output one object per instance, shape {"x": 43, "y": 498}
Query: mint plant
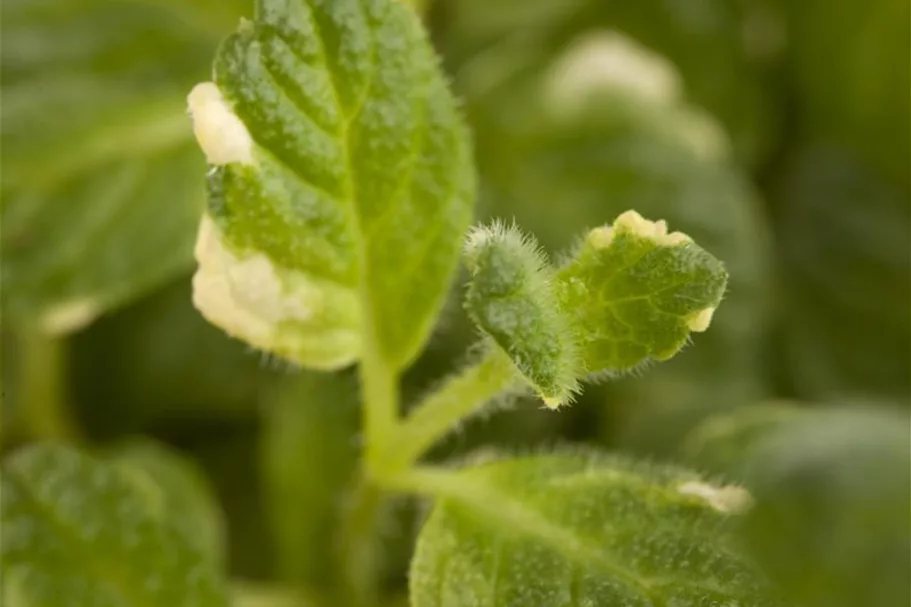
{"x": 341, "y": 188}
{"x": 339, "y": 198}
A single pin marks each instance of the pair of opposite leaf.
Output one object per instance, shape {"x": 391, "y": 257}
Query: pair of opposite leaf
{"x": 342, "y": 188}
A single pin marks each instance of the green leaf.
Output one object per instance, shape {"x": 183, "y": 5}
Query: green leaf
{"x": 631, "y": 294}
{"x": 101, "y": 192}
{"x": 831, "y": 523}
{"x": 343, "y": 182}
{"x": 187, "y": 497}
{"x": 512, "y": 298}
{"x": 561, "y": 162}
{"x": 308, "y": 462}
{"x": 79, "y": 531}
{"x": 577, "y": 529}
{"x": 637, "y": 292}
{"x": 716, "y": 48}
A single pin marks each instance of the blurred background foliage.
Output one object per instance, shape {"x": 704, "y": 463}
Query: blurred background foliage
{"x": 775, "y": 133}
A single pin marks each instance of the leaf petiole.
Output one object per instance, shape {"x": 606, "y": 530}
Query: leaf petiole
{"x": 461, "y": 396}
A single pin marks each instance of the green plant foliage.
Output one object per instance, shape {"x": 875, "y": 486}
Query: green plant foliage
{"x": 79, "y": 531}
{"x": 580, "y": 529}
{"x": 512, "y": 297}
{"x": 575, "y": 143}
{"x": 352, "y": 188}
{"x": 831, "y": 523}
{"x": 186, "y": 495}
{"x": 637, "y": 292}
{"x": 631, "y": 294}
{"x": 101, "y": 187}
{"x": 719, "y": 47}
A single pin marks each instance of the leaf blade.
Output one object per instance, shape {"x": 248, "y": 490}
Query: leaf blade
{"x": 351, "y": 119}
{"x": 575, "y": 529}
{"x": 93, "y": 533}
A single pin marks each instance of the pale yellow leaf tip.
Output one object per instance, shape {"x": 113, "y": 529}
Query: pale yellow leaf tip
{"x": 729, "y": 499}
{"x": 700, "y": 321}
{"x": 601, "y": 237}
{"x": 220, "y": 133}
{"x": 655, "y": 231}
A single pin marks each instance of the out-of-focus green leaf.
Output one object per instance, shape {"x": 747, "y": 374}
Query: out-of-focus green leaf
{"x": 831, "y": 520}
{"x": 580, "y": 530}
{"x": 845, "y": 256}
{"x": 101, "y": 185}
{"x": 79, "y": 531}
{"x": 721, "y": 47}
{"x": 725, "y": 441}
{"x": 186, "y": 494}
{"x": 309, "y": 449}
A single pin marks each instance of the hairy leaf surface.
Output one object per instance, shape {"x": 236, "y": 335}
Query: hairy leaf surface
{"x": 575, "y": 530}
{"x": 342, "y": 191}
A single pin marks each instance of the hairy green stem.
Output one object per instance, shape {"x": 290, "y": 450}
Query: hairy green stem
{"x": 461, "y": 396}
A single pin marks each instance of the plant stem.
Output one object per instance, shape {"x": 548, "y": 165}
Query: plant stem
{"x": 380, "y": 397}
{"x": 357, "y": 547}
{"x": 462, "y": 395}
{"x": 39, "y": 388}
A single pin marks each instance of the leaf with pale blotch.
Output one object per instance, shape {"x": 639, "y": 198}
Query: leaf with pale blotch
{"x": 511, "y": 297}
{"x": 79, "y": 531}
{"x": 636, "y": 292}
{"x": 343, "y": 182}
{"x": 576, "y": 529}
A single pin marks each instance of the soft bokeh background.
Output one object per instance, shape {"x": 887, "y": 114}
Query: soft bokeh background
{"x": 776, "y": 133}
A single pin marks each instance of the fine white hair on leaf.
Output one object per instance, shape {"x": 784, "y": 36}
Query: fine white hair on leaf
{"x": 222, "y": 136}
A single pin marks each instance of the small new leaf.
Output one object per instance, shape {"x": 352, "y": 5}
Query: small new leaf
{"x": 342, "y": 182}
{"x": 511, "y": 298}
{"x": 636, "y": 292}
{"x": 78, "y": 531}
{"x": 577, "y": 529}
{"x": 632, "y": 293}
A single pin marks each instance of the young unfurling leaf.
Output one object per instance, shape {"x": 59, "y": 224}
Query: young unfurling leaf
{"x": 573, "y": 529}
{"x": 512, "y": 299}
{"x": 632, "y": 293}
{"x": 342, "y": 182}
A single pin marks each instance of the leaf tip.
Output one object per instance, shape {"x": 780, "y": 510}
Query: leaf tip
{"x": 223, "y": 137}
{"x": 656, "y": 231}
{"x": 699, "y": 321}
{"x": 729, "y": 499}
